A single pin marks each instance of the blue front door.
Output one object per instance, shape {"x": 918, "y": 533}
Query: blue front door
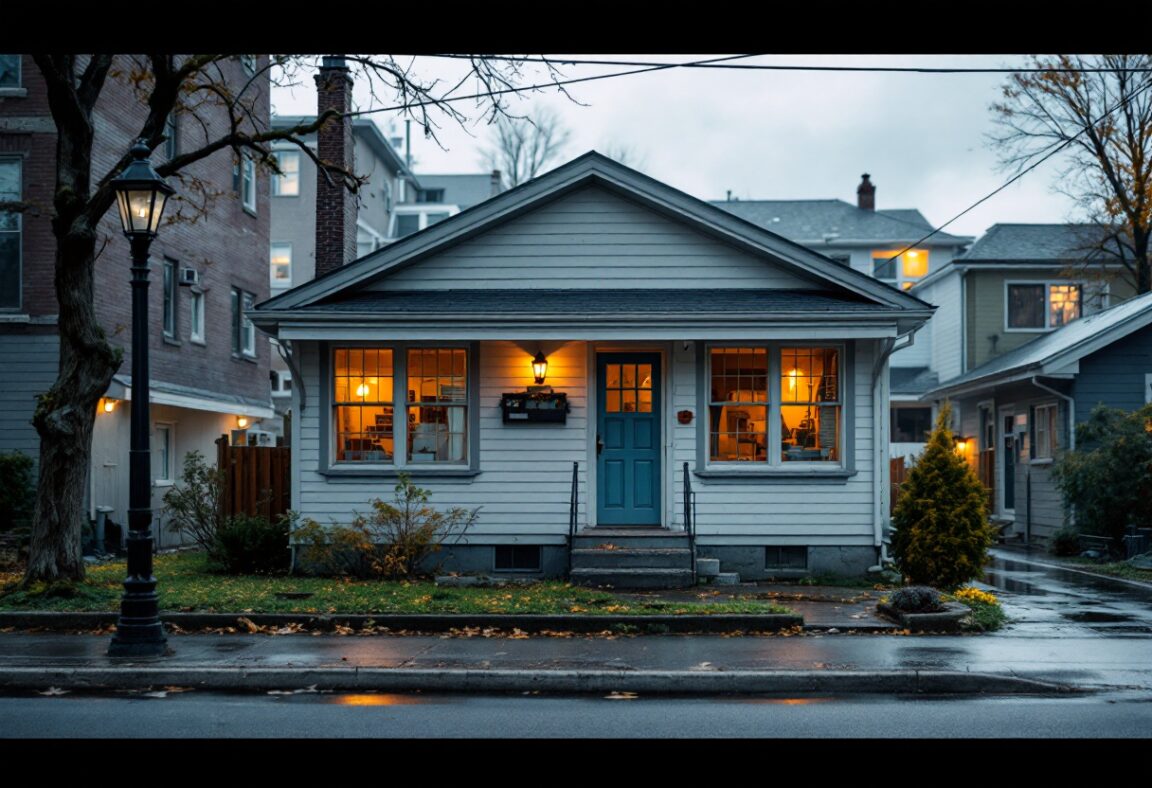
{"x": 628, "y": 439}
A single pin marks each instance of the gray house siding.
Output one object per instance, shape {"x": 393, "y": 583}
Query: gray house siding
{"x": 585, "y": 240}
{"x": 1115, "y": 375}
{"x": 29, "y": 362}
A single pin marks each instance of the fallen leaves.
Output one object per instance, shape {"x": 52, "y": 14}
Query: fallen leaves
{"x": 621, "y": 696}
{"x": 54, "y": 691}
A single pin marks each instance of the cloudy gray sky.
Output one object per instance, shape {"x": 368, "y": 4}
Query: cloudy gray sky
{"x": 772, "y": 134}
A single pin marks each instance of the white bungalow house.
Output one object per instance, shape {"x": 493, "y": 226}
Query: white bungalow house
{"x": 709, "y": 384}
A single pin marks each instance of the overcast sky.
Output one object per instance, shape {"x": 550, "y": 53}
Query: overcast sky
{"x": 772, "y": 134}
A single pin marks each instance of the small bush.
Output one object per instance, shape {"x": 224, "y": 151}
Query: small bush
{"x": 915, "y": 599}
{"x": 252, "y": 545}
{"x": 1065, "y": 542}
{"x": 941, "y": 533}
{"x": 987, "y": 615}
{"x": 394, "y": 541}
{"x": 193, "y": 505}
{"x": 1107, "y": 481}
{"x": 17, "y": 490}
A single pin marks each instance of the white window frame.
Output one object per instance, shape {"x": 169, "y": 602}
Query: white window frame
{"x": 1047, "y": 415}
{"x": 773, "y": 462}
{"x": 17, "y": 230}
{"x": 166, "y": 475}
{"x": 279, "y": 181}
{"x": 243, "y": 330}
{"x": 1048, "y": 285}
{"x": 400, "y": 406}
{"x": 196, "y": 316}
{"x": 170, "y": 299}
{"x": 248, "y": 183}
{"x": 275, "y": 281}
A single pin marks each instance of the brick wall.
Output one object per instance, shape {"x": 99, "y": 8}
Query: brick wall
{"x": 335, "y": 207}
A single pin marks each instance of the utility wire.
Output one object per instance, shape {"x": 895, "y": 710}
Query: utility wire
{"x": 779, "y": 67}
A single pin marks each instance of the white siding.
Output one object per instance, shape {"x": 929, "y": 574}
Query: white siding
{"x": 526, "y": 477}
{"x": 592, "y": 239}
{"x": 526, "y": 470}
{"x": 947, "y": 324}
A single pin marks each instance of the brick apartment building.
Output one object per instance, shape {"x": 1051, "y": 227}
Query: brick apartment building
{"x": 208, "y": 370}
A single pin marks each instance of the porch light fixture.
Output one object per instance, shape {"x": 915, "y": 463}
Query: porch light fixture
{"x": 961, "y": 444}
{"x": 242, "y": 422}
{"x": 107, "y": 404}
{"x": 540, "y": 368}
{"x": 141, "y": 195}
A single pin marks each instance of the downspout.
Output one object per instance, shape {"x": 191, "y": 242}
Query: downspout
{"x": 880, "y": 417}
{"x": 284, "y": 348}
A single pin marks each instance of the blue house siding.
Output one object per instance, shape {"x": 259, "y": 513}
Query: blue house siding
{"x": 1114, "y": 375}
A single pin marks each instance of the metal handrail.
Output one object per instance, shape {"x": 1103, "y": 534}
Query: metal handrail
{"x": 690, "y": 517}
{"x": 573, "y": 505}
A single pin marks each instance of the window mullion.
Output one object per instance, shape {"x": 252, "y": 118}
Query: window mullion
{"x": 400, "y": 406}
{"x": 775, "y": 438}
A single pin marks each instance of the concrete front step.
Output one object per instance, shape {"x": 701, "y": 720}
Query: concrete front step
{"x": 655, "y": 539}
{"x": 633, "y": 578}
{"x": 632, "y": 558}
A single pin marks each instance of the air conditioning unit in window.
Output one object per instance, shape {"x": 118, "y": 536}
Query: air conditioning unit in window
{"x": 189, "y": 277}
{"x": 253, "y": 438}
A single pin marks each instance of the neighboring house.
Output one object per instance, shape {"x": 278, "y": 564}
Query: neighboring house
{"x": 207, "y": 369}
{"x": 718, "y": 375}
{"x": 873, "y": 242}
{"x": 391, "y": 203}
{"x": 440, "y": 196}
{"x": 292, "y": 253}
{"x": 1016, "y": 283}
{"x": 1019, "y": 410}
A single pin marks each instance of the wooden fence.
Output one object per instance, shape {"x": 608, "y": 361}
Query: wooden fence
{"x": 896, "y": 472}
{"x": 257, "y": 479}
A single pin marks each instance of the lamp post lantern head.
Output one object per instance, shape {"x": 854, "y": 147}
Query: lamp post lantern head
{"x": 539, "y": 368}
{"x": 141, "y": 195}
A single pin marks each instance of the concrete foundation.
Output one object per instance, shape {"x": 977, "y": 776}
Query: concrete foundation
{"x": 749, "y": 561}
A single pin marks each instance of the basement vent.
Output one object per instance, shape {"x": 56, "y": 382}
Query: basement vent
{"x": 785, "y": 557}
{"x": 517, "y": 558}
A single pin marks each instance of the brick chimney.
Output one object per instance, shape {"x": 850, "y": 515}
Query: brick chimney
{"x": 497, "y": 183}
{"x": 866, "y": 194}
{"x": 335, "y": 205}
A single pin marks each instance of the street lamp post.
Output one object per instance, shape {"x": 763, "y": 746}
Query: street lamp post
{"x": 141, "y": 194}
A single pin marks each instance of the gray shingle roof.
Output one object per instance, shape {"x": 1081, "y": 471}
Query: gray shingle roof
{"x": 643, "y": 301}
{"x": 912, "y": 380}
{"x": 1063, "y": 340}
{"x": 1033, "y": 242}
{"x": 817, "y": 221}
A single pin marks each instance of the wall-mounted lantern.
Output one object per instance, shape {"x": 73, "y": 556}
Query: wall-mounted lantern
{"x": 540, "y": 368}
{"x": 107, "y": 404}
{"x": 242, "y": 422}
{"x": 962, "y": 444}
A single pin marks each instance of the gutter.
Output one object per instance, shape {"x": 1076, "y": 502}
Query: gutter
{"x": 284, "y": 348}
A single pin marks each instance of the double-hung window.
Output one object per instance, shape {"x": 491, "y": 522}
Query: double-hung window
{"x": 247, "y": 185}
{"x": 775, "y": 404}
{"x": 10, "y": 223}
{"x": 287, "y": 183}
{"x": 901, "y": 270}
{"x": 405, "y": 406}
{"x": 1045, "y": 431}
{"x": 243, "y": 331}
{"x": 170, "y": 298}
{"x": 280, "y": 264}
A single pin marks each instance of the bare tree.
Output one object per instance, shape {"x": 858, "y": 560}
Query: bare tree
{"x": 1098, "y": 109}
{"x": 231, "y": 117}
{"x": 523, "y": 147}
{"x": 628, "y": 155}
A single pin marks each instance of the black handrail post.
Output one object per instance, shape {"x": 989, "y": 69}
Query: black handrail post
{"x": 689, "y": 517}
{"x": 573, "y": 503}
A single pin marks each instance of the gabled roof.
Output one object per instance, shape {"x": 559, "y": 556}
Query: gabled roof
{"x": 1055, "y": 243}
{"x": 593, "y": 169}
{"x": 1052, "y": 352}
{"x": 837, "y": 222}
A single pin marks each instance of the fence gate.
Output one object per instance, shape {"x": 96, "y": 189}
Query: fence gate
{"x": 896, "y": 472}
{"x": 257, "y": 479}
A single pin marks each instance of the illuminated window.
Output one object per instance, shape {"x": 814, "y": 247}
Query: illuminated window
{"x": 900, "y": 270}
{"x": 744, "y": 409}
{"x": 1041, "y": 306}
{"x": 437, "y": 405}
{"x": 628, "y": 388}
{"x": 287, "y": 183}
{"x": 363, "y": 396}
{"x": 280, "y": 261}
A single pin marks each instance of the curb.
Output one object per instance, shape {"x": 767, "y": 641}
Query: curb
{"x": 654, "y": 624}
{"x": 137, "y": 676}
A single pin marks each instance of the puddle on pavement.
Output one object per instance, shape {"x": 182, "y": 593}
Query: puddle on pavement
{"x": 1095, "y": 617}
{"x": 997, "y": 580}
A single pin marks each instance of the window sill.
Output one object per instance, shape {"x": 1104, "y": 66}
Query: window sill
{"x": 393, "y": 472}
{"x": 13, "y": 92}
{"x": 249, "y": 211}
{"x": 171, "y": 341}
{"x": 163, "y": 482}
{"x": 1042, "y": 461}
{"x": 775, "y": 475}
{"x": 198, "y": 341}
{"x": 244, "y": 357}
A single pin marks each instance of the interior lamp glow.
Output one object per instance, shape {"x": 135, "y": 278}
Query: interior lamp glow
{"x": 792, "y": 379}
{"x": 241, "y": 421}
{"x": 539, "y": 368}
{"x": 362, "y": 390}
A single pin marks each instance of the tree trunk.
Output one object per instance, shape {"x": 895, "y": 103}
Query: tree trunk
{"x": 65, "y": 415}
{"x": 1143, "y": 264}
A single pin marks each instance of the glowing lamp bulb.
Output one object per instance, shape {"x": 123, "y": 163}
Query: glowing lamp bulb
{"x": 241, "y": 421}
{"x": 362, "y": 390}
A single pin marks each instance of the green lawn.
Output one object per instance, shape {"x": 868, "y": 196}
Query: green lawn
{"x": 186, "y": 585}
{"x": 1115, "y": 569}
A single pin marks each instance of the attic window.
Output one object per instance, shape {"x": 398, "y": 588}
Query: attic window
{"x": 899, "y": 269}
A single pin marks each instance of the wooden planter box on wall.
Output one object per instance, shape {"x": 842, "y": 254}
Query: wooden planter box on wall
{"x": 525, "y": 408}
